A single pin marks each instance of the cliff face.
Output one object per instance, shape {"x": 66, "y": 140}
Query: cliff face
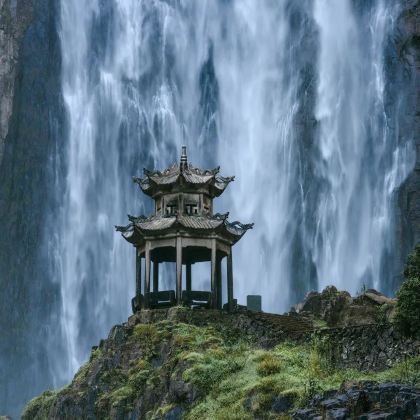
{"x": 30, "y": 115}
{"x": 15, "y": 18}
{"x": 404, "y": 65}
{"x": 207, "y": 364}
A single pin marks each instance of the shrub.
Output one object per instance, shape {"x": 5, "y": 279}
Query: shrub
{"x": 412, "y": 267}
{"x": 408, "y": 305}
{"x": 268, "y": 365}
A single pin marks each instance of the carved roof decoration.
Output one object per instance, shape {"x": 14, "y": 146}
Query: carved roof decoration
{"x": 188, "y": 176}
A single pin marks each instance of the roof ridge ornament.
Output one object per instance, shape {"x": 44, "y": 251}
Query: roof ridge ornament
{"x": 184, "y": 160}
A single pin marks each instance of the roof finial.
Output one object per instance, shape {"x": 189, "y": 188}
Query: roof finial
{"x": 184, "y": 162}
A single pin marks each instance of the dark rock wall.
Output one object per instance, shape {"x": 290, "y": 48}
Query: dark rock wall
{"x": 14, "y": 20}
{"x": 28, "y": 298}
{"x": 364, "y": 401}
{"x": 403, "y": 63}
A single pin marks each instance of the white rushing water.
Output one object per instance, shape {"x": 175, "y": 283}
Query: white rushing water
{"x": 287, "y": 96}
{"x": 361, "y": 161}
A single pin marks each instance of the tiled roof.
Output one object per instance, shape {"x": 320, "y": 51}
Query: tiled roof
{"x": 199, "y": 222}
{"x": 156, "y": 223}
{"x": 151, "y": 224}
{"x": 190, "y": 174}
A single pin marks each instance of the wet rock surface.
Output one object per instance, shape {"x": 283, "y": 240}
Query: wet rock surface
{"x": 364, "y": 401}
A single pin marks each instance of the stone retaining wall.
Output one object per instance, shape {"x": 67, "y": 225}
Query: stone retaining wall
{"x": 365, "y": 347}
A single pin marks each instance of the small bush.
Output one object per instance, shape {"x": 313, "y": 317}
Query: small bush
{"x": 408, "y": 304}
{"x": 268, "y": 365}
{"x": 412, "y": 267}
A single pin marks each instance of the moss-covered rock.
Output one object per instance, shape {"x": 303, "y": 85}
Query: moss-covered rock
{"x": 192, "y": 364}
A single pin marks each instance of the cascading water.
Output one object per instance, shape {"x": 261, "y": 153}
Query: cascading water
{"x": 287, "y": 96}
{"x": 361, "y": 163}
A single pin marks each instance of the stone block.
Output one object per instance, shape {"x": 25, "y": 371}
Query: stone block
{"x": 253, "y": 303}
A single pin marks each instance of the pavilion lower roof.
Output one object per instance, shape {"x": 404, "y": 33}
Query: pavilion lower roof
{"x": 155, "y": 181}
{"x": 199, "y": 225}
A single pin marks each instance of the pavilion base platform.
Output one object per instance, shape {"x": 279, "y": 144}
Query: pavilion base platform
{"x": 160, "y": 299}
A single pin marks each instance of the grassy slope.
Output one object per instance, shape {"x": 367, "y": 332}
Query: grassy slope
{"x": 233, "y": 378}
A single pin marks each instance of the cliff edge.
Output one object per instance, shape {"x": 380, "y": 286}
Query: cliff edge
{"x": 182, "y": 363}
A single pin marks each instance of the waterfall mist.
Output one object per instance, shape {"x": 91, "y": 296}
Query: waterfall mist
{"x": 287, "y": 96}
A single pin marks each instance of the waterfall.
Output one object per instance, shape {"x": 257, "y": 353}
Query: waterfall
{"x": 361, "y": 163}
{"x": 288, "y": 96}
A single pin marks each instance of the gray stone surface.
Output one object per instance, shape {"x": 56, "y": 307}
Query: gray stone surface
{"x": 14, "y": 20}
{"x": 253, "y": 303}
{"x": 364, "y": 401}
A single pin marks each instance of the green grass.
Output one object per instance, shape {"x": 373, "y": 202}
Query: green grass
{"x": 234, "y": 379}
{"x": 295, "y": 371}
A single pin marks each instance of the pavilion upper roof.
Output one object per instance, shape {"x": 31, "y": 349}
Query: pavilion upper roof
{"x": 183, "y": 176}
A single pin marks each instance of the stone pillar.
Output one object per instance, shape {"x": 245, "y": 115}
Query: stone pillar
{"x": 219, "y": 282}
{"x": 138, "y": 273}
{"x": 178, "y": 270}
{"x": 147, "y": 273}
{"x": 155, "y": 276}
{"x": 230, "y": 280}
{"x": 188, "y": 277}
{"x": 213, "y": 273}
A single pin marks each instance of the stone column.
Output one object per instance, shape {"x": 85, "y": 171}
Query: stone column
{"x": 147, "y": 273}
{"x": 138, "y": 273}
{"x": 213, "y": 273}
{"x": 178, "y": 270}
{"x": 188, "y": 277}
{"x": 155, "y": 276}
{"x": 230, "y": 280}
{"x": 219, "y": 282}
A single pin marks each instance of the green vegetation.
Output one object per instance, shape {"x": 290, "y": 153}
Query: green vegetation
{"x": 229, "y": 377}
{"x": 253, "y": 380}
{"x": 408, "y": 304}
{"x": 41, "y": 405}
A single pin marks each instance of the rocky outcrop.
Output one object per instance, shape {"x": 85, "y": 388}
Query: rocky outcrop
{"x": 181, "y": 363}
{"x": 391, "y": 401}
{"x": 340, "y": 309}
{"x": 14, "y": 21}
